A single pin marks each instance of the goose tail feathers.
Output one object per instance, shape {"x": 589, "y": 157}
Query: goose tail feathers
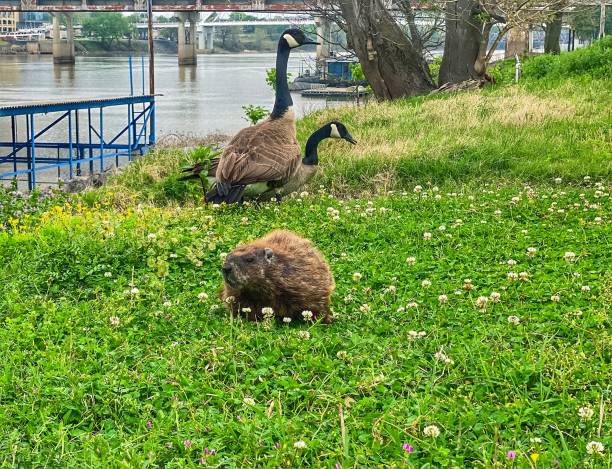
{"x": 229, "y": 195}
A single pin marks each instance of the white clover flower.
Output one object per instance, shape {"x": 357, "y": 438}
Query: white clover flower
{"x": 357, "y": 276}
{"x": 413, "y": 334}
{"x": 595, "y": 447}
{"x": 585, "y": 288}
{"x": 114, "y": 320}
{"x": 494, "y": 297}
{"x": 531, "y": 252}
{"x": 468, "y": 285}
{"x": 481, "y": 302}
{"x": 341, "y": 354}
{"x": 365, "y": 308}
{"x": 203, "y": 296}
{"x": 442, "y": 357}
{"x": 577, "y": 274}
{"x": 535, "y": 439}
{"x": 223, "y": 255}
{"x": 134, "y": 291}
{"x": 151, "y": 236}
{"x": 167, "y": 303}
{"x": 442, "y": 228}
{"x": 348, "y": 298}
{"x": 418, "y": 189}
{"x": 586, "y": 178}
{"x": 426, "y": 283}
{"x": 412, "y": 304}
{"x": 299, "y": 444}
{"x": 597, "y": 220}
{"x": 108, "y": 274}
{"x": 401, "y": 309}
{"x": 524, "y": 276}
{"x": 512, "y": 262}
{"x": 286, "y": 320}
{"x": 230, "y": 299}
{"x": 247, "y": 310}
{"x": 411, "y": 260}
{"x": 497, "y": 213}
{"x": 443, "y": 299}
{"x": 515, "y": 200}
{"x": 431, "y": 431}
{"x": 525, "y": 232}
{"x": 422, "y": 334}
{"x": 555, "y": 298}
{"x": 458, "y": 292}
{"x": 569, "y": 256}
{"x": 304, "y": 335}
{"x": 426, "y": 236}
{"x": 307, "y": 315}
{"x": 514, "y": 320}
{"x": 249, "y": 401}
{"x": 303, "y": 194}
{"x": 585, "y": 413}
{"x": 558, "y": 180}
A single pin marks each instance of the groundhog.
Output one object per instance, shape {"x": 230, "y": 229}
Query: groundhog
{"x": 281, "y": 271}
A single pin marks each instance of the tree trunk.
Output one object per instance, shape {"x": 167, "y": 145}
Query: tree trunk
{"x": 553, "y": 34}
{"x": 517, "y": 42}
{"x": 391, "y": 64}
{"x": 462, "y": 43}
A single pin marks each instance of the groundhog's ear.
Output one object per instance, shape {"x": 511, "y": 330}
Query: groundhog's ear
{"x": 268, "y": 254}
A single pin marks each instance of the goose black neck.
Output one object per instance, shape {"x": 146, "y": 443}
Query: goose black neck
{"x": 311, "y": 157}
{"x": 283, "y": 97}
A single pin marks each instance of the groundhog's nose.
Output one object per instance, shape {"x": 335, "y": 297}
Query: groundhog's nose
{"x": 226, "y": 269}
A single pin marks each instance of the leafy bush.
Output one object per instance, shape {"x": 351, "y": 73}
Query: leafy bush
{"x": 254, "y": 114}
{"x": 271, "y": 78}
{"x": 594, "y": 61}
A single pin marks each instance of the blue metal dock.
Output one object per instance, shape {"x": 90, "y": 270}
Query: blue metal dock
{"x": 87, "y": 146}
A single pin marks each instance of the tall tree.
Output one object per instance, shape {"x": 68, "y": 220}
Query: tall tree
{"x": 390, "y": 54}
{"x": 552, "y": 33}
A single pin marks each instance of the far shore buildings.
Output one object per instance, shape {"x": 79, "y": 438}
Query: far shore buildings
{"x": 8, "y": 21}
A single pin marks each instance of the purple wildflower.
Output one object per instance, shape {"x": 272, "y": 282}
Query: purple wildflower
{"x": 277, "y": 445}
{"x": 149, "y": 425}
{"x": 337, "y": 466}
{"x": 511, "y": 454}
{"x": 408, "y": 448}
{"x": 187, "y": 443}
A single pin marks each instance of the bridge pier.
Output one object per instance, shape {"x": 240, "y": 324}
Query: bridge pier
{"x": 324, "y": 38}
{"x": 63, "y": 49}
{"x": 187, "y": 38}
{"x": 207, "y": 38}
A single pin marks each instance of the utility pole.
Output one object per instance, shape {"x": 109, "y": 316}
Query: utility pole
{"x": 151, "y": 53}
{"x": 602, "y": 19}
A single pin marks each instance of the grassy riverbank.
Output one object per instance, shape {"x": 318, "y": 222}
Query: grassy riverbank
{"x": 117, "y": 352}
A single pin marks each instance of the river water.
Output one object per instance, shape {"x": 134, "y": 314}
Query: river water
{"x": 196, "y": 100}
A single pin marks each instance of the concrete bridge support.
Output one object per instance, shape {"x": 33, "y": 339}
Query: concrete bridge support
{"x": 324, "y": 37}
{"x": 63, "y": 49}
{"x": 207, "y": 38}
{"x": 187, "y": 38}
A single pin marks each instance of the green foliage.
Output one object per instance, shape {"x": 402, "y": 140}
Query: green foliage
{"x": 107, "y": 27}
{"x": 434, "y": 67}
{"x": 357, "y": 72}
{"x": 594, "y": 61}
{"x": 254, "y": 114}
{"x": 271, "y": 77}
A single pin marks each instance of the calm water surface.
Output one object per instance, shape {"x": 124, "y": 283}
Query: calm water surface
{"x": 197, "y": 100}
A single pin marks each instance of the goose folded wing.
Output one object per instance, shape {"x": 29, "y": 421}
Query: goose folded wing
{"x": 263, "y": 165}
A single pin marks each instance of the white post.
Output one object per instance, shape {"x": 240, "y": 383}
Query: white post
{"x": 602, "y": 19}
{"x": 517, "y": 68}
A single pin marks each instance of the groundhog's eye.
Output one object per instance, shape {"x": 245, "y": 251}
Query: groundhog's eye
{"x": 250, "y": 259}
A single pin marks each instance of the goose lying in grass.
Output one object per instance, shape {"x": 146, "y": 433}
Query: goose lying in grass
{"x": 258, "y": 175}
{"x": 272, "y": 139}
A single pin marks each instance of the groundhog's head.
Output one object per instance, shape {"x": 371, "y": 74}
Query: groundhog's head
{"x": 246, "y": 266}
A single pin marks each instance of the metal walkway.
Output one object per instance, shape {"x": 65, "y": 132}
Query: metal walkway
{"x": 87, "y": 145}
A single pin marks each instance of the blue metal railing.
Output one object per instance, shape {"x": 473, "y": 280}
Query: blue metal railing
{"x": 28, "y": 155}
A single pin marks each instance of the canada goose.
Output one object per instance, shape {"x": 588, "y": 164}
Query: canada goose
{"x": 267, "y": 141}
{"x": 258, "y": 176}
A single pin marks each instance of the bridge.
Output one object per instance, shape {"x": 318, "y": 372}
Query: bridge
{"x": 68, "y": 6}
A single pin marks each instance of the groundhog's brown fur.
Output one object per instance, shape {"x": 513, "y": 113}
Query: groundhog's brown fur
{"x": 282, "y": 271}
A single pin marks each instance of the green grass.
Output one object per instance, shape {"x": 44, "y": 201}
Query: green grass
{"x": 112, "y": 358}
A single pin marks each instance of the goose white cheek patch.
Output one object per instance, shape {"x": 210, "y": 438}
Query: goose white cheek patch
{"x": 334, "y": 131}
{"x": 291, "y": 41}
